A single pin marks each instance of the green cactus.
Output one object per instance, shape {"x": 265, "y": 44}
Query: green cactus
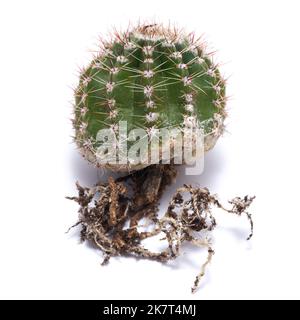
{"x": 152, "y": 77}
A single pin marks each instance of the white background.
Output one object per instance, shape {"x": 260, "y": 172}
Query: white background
{"x": 42, "y": 44}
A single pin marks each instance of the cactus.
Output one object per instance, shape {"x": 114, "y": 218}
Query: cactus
{"x": 151, "y": 77}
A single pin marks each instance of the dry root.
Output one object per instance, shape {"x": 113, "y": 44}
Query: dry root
{"x": 106, "y": 209}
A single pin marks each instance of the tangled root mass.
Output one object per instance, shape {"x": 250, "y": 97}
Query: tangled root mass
{"x": 110, "y": 215}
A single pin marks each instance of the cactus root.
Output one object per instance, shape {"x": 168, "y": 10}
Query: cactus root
{"x": 111, "y": 215}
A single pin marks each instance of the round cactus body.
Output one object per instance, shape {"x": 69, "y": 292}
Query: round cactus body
{"x": 152, "y": 77}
